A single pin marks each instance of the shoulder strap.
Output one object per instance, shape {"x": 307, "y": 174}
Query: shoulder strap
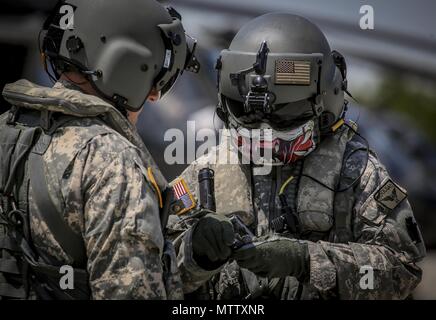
{"x": 22, "y": 164}
{"x": 344, "y": 199}
{"x": 343, "y": 206}
{"x": 71, "y": 242}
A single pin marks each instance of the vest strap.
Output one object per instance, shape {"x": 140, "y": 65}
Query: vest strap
{"x": 342, "y": 227}
{"x": 71, "y": 242}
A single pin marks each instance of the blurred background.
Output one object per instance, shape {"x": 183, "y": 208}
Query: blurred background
{"x": 391, "y": 73}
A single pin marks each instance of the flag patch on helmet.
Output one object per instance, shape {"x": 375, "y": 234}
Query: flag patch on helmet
{"x": 184, "y": 201}
{"x": 390, "y": 195}
{"x": 292, "y": 72}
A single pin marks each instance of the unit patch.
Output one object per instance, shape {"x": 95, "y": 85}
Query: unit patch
{"x": 390, "y": 195}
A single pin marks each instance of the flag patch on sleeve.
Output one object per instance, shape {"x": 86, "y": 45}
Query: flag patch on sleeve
{"x": 184, "y": 201}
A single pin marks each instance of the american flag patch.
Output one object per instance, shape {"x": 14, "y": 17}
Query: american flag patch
{"x": 182, "y": 194}
{"x": 292, "y": 72}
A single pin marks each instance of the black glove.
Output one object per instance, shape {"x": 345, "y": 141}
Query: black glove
{"x": 275, "y": 258}
{"x": 211, "y": 240}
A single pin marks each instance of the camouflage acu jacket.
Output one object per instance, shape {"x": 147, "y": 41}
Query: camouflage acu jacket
{"x": 350, "y": 212}
{"x": 96, "y": 165}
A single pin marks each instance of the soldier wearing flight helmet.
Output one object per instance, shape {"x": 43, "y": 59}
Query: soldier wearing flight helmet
{"x": 78, "y": 187}
{"x": 326, "y": 208}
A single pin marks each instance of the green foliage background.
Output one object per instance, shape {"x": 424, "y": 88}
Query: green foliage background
{"x": 396, "y": 94}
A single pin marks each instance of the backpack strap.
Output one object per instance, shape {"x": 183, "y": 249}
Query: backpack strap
{"x": 15, "y": 145}
{"x": 46, "y": 123}
{"x": 71, "y": 242}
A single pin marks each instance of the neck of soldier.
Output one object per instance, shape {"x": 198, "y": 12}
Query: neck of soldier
{"x": 80, "y": 81}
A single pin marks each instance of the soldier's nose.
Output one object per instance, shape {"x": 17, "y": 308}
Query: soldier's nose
{"x": 154, "y": 95}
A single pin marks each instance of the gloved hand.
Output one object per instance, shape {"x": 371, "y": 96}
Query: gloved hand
{"x": 275, "y": 258}
{"x": 211, "y": 240}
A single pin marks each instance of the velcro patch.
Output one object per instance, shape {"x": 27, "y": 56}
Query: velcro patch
{"x": 292, "y": 72}
{"x": 390, "y": 195}
{"x": 184, "y": 201}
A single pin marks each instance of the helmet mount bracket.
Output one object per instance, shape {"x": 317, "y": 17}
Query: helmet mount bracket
{"x": 258, "y": 98}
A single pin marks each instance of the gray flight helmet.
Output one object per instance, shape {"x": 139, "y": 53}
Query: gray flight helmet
{"x": 281, "y": 66}
{"x": 124, "y": 47}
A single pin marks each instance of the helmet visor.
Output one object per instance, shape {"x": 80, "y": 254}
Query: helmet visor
{"x": 285, "y": 116}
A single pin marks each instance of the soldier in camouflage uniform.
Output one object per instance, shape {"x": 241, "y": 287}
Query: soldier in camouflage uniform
{"x": 90, "y": 194}
{"x": 326, "y": 217}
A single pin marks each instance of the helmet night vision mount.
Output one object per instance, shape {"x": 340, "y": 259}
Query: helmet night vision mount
{"x": 258, "y": 97}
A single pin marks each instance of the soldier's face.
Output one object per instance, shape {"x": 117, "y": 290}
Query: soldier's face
{"x": 154, "y": 95}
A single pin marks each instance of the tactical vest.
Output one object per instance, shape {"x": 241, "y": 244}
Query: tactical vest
{"x": 323, "y": 214}
{"x": 23, "y": 144}
{"x": 25, "y": 135}
{"x": 315, "y": 202}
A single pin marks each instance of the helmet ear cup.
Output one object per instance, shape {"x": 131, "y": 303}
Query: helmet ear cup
{"x": 333, "y": 100}
{"x": 341, "y": 64}
{"x": 221, "y": 109}
{"x": 221, "y": 114}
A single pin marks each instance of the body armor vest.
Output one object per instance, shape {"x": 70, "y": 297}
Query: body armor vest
{"x": 311, "y": 197}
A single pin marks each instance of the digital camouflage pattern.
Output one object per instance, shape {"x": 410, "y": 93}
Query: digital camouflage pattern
{"x": 96, "y": 164}
{"x": 344, "y": 230}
